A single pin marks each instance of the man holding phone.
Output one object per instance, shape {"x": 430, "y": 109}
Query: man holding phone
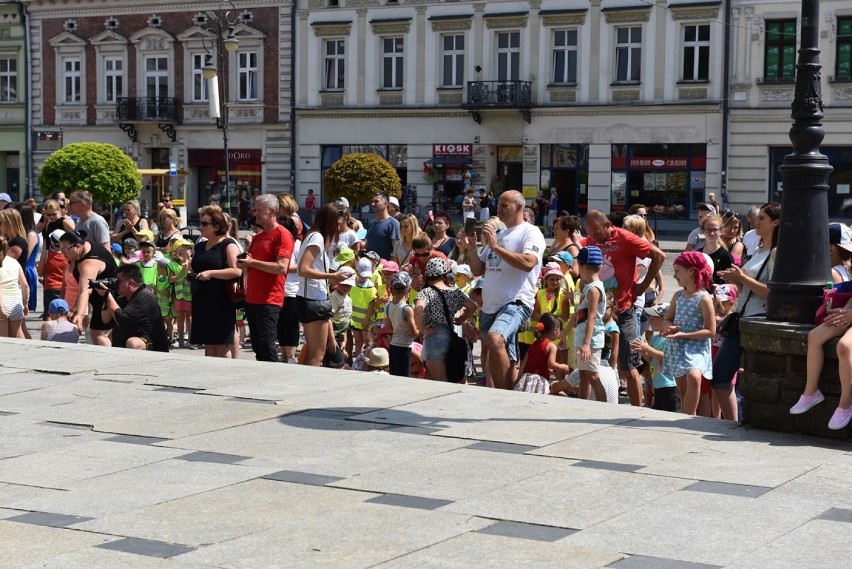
{"x": 265, "y": 269}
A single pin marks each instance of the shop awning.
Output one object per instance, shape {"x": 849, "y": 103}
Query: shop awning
{"x": 451, "y": 160}
{"x": 160, "y": 172}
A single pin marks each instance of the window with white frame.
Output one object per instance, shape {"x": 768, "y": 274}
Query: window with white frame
{"x": 156, "y": 76}
{"x": 393, "y": 59}
{"x": 9, "y": 80}
{"x": 564, "y": 57}
{"x": 199, "y": 83}
{"x": 452, "y": 60}
{"x": 247, "y": 76}
{"x": 334, "y": 78}
{"x": 696, "y": 52}
{"x": 113, "y": 79}
{"x": 508, "y": 56}
{"x": 72, "y": 77}
{"x": 628, "y": 54}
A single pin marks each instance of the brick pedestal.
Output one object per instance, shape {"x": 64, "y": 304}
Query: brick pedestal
{"x": 775, "y": 369}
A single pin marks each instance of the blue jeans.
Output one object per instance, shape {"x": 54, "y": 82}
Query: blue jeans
{"x": 506, "y": 322}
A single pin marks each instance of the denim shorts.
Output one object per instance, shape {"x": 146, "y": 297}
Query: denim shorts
{"x": 628, "y": 327}
{"x": 436, "y": 345}
{"x": 506, "y": 322}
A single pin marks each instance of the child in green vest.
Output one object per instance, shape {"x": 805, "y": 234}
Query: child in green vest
{"x": 179, "y": 268}
{"x": 363, "y": 296}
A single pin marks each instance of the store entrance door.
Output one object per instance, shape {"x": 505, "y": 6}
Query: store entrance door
{"x": 512, "y": 175}
{"x": 565, "y": 182}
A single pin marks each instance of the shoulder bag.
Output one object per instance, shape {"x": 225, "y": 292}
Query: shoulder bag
{"x": 313, "y": 310}
{"x": 456, "y": 358}
{"x": 730, "y": 324}
{"x": 235, "y": 289}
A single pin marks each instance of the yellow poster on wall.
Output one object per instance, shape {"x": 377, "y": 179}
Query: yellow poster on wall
{"x": 530, "y": 192}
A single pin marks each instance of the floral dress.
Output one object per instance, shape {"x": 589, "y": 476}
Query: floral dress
{"x": 682, "y": 355}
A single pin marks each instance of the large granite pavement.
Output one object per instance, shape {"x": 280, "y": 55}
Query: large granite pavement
{"x": 117, "y": 459}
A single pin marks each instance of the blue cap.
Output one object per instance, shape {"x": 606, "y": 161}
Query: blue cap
{"x": 590, "y": 256}
{"x": 58, "y": 306}
{"x": 400, "y": 281}
{"x": 116, "y": 248}
{"x": 563, "y": 256}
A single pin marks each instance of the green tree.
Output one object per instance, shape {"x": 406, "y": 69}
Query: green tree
{"x": 358, "y": 177}
{"x": 101, "y": 169}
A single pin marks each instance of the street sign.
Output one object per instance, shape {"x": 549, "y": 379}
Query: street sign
{"x": 172, "y": 168}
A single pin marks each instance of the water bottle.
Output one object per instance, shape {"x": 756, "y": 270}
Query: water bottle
{"x": 826, "y": 294}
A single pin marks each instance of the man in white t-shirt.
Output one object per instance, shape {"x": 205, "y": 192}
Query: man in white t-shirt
{"x": 751, "y": 239}
{"x": 511, "y": 263}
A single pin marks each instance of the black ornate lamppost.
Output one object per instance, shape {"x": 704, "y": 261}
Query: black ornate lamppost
{"x": 218, "y": 38}
{"x": 801, "y": 263}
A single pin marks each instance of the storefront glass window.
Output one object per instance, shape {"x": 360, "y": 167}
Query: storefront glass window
{"x": 839, "y": 183}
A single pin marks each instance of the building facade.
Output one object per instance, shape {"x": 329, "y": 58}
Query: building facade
{"x": 132, "y": 74}
{"x": 13, "y": 97}
{"x": 764, "y": 44}
{"x": 611, "y": 103}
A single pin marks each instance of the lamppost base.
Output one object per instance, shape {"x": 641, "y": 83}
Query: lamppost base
{"x": 794, "y": 302}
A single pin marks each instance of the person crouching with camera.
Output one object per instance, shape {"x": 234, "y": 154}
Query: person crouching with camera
{"x": 134, "y": 311}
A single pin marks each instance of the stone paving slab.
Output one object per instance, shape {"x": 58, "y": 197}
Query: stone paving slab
{"x": 122, "y": 459}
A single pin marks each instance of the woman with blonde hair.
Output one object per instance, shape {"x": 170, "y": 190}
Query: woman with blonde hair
{"x": 732, "y": 236}
{"x": 132, "y": 223}
{"x": 287, "y": 206}
{"x": 404, "y": 248}
{"x": 169, "y": 230}
{"x": 12, "y": 228}
{"x": 14, "y": 294}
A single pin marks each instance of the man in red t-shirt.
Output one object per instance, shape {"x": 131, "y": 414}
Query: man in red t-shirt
{"x": 265, "y": 268}
{"x": 621, "y": 249}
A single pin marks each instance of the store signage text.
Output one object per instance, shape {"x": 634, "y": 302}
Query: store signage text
{"x": 451, "y": 149}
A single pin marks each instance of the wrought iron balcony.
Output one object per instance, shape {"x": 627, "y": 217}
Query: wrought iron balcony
{"x": 147, "y": 109}
{"x": 498, "y": 95}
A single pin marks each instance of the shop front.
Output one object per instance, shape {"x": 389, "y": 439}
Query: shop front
{"x": 839, "y": 183}
{"x": 449, "y": 172}
{"x": 246, "y": 174}
{"x": 669, "y": 179}
{"x": 565, "y": 168}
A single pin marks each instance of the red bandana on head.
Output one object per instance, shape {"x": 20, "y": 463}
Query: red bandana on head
{"x": 696, "y": 261}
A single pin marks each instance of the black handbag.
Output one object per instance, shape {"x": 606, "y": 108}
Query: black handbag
{"x": 730, "y": 324}
{"x": 457, "y": 353}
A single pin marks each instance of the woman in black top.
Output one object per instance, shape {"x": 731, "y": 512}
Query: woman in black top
{"x": 12, "y": 228}
{"x": 88, "y": 261}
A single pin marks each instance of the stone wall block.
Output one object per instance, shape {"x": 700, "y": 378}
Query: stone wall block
{"x": 760, "y": 388}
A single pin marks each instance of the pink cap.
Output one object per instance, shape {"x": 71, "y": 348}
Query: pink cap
{"x": 390, "y": 266}
{"x": 551, "y": 269}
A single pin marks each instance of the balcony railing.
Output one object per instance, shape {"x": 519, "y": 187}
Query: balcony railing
{"x": 147, "y": 109}
{"x": 499, "y": 94}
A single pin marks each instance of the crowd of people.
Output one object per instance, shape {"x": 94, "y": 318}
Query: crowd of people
{"x": 585, "y": 315}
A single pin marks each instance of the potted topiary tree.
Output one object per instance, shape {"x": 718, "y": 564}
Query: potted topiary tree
{"x": 358, "y": 177}
{"x": 104, "y": 170}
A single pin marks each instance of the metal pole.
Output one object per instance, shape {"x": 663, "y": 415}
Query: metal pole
{"x": 801, "y": 263}
{"x": 224, "y": 77}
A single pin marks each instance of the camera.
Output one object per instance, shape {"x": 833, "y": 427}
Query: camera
{"x": 192, "y": 276}
{"x": 242, "y": 255}
{"x": 106, "y": 284}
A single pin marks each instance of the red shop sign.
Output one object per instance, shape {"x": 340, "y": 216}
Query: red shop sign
{"x": 662, "y": 163}
{"x": 216, "y": 156}
{"x": 451, "y": 149}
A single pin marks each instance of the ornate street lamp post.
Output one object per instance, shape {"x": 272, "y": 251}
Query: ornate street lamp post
{"x": 218, "y": 38}
{"x": 801, "y": 263}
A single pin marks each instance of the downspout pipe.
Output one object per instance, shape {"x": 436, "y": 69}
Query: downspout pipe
{"x": 726, "y": 93}
{"x": 293, "y": 43}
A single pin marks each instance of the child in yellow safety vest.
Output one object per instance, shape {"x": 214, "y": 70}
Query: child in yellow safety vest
{"x": 363, "y": 296}
{"x": 178, "y": 270}
{"x": 557, "y": 299}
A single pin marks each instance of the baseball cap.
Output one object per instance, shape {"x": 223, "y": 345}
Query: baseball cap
{"x": 342, "y": 202}
{"x": 58, "y": 306}
{"x": 400, "y": 281}
{"x": 390, "y": 266}
{"x": 145, "y": 235}
{"x": 590, "y": 255}
{"x": 116, "y": 248}
{"x": 657, "y": 309}
{"x": 178, "y": 243}
{"x": 146, "y": 243}
{"x": 563, "y": 256}
{"x": 344, "y": 256}
{"x": 365, "y": 269}
{"x": 551, "y": 269}
{"x": 4, "y": 197}
{"x": 372, "y": 255}
{"x": 350, "y": 280}
{"x": 393, "y": 200}
{"x": 56, "y": 235}
{"x": 131, "y": 242}
{"x": 709, "y": 207}
{"x": 463, "y": 270}
{"x": 841, "y": 235}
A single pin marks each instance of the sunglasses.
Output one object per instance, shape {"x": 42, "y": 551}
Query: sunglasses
{"x": 426, "y": 254}
{"x": 206, "y": 223}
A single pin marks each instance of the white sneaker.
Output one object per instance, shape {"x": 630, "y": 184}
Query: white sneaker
{"x": 292, "y": 361}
